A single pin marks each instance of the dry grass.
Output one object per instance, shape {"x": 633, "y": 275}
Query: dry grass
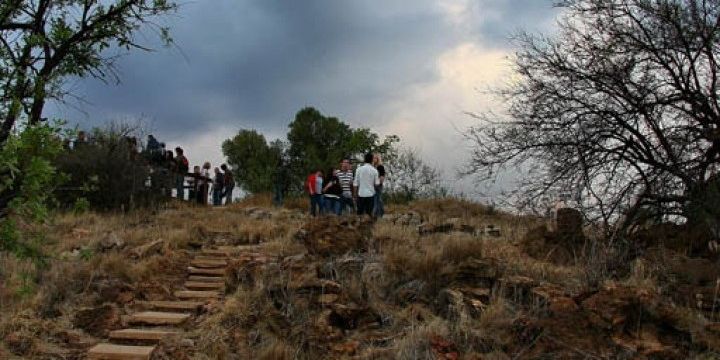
{"x": 265, "y": 318}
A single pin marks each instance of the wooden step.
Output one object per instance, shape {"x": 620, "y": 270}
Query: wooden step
{"x": 197, "y": 294}
{"x": 141, "y": 334}
{"x": 158, "y": 318}
{"x": 216, "y": 252}
{"x": 120, "y": 352}
{"x": 209, "y": 264}
{"x": 211, "y": 257}
{"x": 199, "y": 285}
{"x": 172, "y": 305}
{"x": 198, "y": 271}
{"x": 207, "y": 279}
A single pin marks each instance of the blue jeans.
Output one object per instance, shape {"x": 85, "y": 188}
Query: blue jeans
{"x": 217, "y": 197}
{"x": 346, "y": 202}
{"x": 180, "y": 186}
{"x": 333, "y": 205}
{"x": 228, "y": 194}
{"x": 316, "y": 204}
{"x": 278, "y": 198}
{"x": 379, "y": 208}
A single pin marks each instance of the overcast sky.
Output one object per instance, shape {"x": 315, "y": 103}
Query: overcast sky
{"x": 405, "y": 67}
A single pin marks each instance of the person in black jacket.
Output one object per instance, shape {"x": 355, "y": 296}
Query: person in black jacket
{"x": 332, "y": 193}
{"x": 217, "y": 188}
{"x": 379, "y": 206}
{"x": 229, "y": 183}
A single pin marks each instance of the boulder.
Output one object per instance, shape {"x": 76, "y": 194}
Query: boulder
{"x": 332, "y": 235}
{"x": 410, "y": 218}
{"x": 450, "y": 225}
{"x": 479, "y": 272}
{"x": 113, "y": 291}
{"x": 109, "y": 242}
{"x": 146, "y": 250}
{"x": 350, "y": 317}
{"x": 256, "y": 213}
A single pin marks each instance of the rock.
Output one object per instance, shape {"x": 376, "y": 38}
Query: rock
{"x": 109, "y": 242}
{"x": 98, "y": 321}
{"x": 411, "y": 292}
{"x": 543, "y": 295}
{"x": 153, "y": 291}
{"x": 443, "y": 348}
{"x": 492, "y": 230}
{"x": 480, "y": 272}
{"x": 410, "y": 218}
{"x": 711, "y": 336}
{"x": 569, "y": 223}
{"x": 348, "y": 348}
{"x": 517, "y": 288}
{"x": 257, "y": 213}
{"x": 189, "y": 343}
{"x": 113, "y": 291}
{"x": 349, "y": 317}
{"x": 450, "y": 225}
{"x": 327, "y": 299}
{"x": 541, "y": 243}
{"x": 451, "y": 305}
{"x": 80, "y": 233}
{"x": 428, "y": 229}
{"x": 149, "y": 249}
{"x": 696, "y": 271}
{"x": 562, "y": 305}
{"x": 335, "y": 235}
{"x": 311, "y": 284}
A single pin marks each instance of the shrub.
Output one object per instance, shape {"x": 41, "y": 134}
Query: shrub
{"x": 109, "y": 173}
{"x": 27, "y": 178}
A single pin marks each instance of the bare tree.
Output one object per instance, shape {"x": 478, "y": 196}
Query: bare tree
{"x": 410, "y": 178}
{"x": 621, "y": 106}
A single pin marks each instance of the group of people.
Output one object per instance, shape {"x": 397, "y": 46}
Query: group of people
{"x": 342, "y": 190}
{"x": 201, "y": 183}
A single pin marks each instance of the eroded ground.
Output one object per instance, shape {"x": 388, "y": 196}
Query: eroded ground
{"x": 432, "y": 280}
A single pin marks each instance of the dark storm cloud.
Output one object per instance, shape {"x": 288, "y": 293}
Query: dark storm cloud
{"x": 502, "y": 19}
{"x": 254, "y": 63}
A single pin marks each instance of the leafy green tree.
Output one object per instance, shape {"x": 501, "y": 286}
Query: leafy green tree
{"x": 253, "y": 160}
{"x": 27, "y": 180}
{"x": 314, "y": 141}
{"x": 317, "y": 141}
{"x": 43, "y": 42}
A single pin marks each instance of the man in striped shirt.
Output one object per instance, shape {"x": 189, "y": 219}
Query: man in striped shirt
{"x": 345, "y": 175}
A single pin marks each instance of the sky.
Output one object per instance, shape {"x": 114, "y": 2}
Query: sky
{"x": 410, "y": 68}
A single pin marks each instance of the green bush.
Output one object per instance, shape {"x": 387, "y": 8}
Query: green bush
{"x": 108, "y": 173}
{"x": 27, "y": 179}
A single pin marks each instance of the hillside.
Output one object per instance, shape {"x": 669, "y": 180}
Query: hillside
{"x": 441, "y": 279}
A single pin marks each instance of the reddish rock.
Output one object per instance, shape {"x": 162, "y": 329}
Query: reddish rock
{"x": 332, "y": 235}
{"x": 443, "y": 348}
{"x": 562, "y": 306}
{"x": 348, "y": 348}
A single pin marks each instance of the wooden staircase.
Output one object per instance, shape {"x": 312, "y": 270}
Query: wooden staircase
{"x": 160, "y": 319}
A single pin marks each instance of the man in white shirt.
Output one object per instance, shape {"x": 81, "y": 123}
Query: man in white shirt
{"x": 366, "y": 179}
